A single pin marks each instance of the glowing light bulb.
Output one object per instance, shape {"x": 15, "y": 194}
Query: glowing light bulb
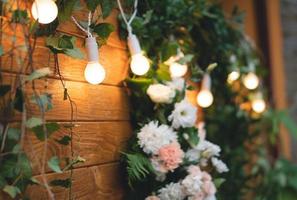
{"x": 139, "y": 64}
{"x": 204, "y": 98}
{"x": 251, "y": 81}
{"x": 177, "y": 69}
{"x": 44, "y": 11}
{"x": 94, "y": 73}
{"x": 258, "y": 105}
{"x": 233, "y": 76}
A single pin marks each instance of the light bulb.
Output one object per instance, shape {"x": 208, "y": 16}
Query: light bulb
{"x": 177, "y": 69}
{"x": 139, "y": 64}
{"x": 94, "y": 73}
{"x": 251, "y": 81}
{"x": 233, "y": 76}
{"x": 44, "y": 11}
{"x": 204, "y": 98}
{"x": 258, "y": 105}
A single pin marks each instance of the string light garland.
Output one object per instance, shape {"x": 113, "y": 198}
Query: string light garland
{"x": 44, "y": 11}
{"x": 139, "y": 63}
{"x": 94, "y": 71}
{"x": 205, "y": 97}
{"x": 235, "y": 73}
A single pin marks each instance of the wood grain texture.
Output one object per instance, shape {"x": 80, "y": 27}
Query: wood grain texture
{"x": 97, "y": 142}
{"x": 98, "y": 182}
{"x": 94, "y": 102}
{"x": 114, "y": 60}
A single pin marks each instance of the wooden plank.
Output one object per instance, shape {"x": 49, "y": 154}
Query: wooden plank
{"x": 94, "y": 102}
{"x": 97, "y": 142}
{"x": 98, "y": 182}
{"x": 114, "y": 60}
{"x": 275, "y": 46}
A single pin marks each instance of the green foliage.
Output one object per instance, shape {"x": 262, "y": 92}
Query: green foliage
{"x": 103, "y": 30}
{"x": 38, "y": 73}
{"x": 54, "y": 164}
{"x": 65, "y": 183}
{"x": 19, "y": 16}
{"x": 44, "y": 131}
{"x": 138, "y": 167}
{"x": 65, "y": 140}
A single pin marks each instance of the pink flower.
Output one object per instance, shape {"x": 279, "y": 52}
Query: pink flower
{"x": 152, "y": 198}
{"x": 171, "y": 156}
{"x": 206, "y": 176}
{"x": 199, "y": 196}
{"x": 194, "y": 170}
{"x": 209, "y": 188}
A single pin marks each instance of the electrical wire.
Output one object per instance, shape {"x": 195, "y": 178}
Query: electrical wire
{"x": 128, "y": 22}
{"x": 87, "y": 31}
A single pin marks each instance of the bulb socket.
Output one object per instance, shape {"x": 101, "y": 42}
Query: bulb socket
{"x": 206, "y": 82}
{"x": 92, "y": 49}
{"x": 133, "y": 44}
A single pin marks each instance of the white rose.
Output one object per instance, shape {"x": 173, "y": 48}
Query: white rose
{"x": 160, "y": 93}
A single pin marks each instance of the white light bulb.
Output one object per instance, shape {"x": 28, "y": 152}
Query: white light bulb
{"x": 251, "y": 81}
{"x": 94, "y": 73}
{"x": 204, "y": 98}
{"x": 233, "y": 76}
{"x": 139, "y": 64}
{"x": 177, "y": 70}
{"x": 258, "y": 105}
{"x": 44, "y": 11}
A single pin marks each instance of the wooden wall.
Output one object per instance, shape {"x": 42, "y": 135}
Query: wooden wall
{"x": 102, "y": 116}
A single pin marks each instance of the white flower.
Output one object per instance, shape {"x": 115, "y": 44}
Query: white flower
{"x": 193, "y": 183}
{"x": 160, "y": 93}
{"x": 219, "y": 165}
{"x": 152, "y": 137}
{"x": 212, "y": 197}
{"x": 202, "y": 152}
{"x": 208, "y": 149}
{"x": 176, "y": 84}
{"x": 184, "y": 115}
{"x": 172, "y": 191}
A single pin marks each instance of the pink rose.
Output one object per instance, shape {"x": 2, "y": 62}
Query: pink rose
{"x": 171, "y": 155}
{"x": 206, "y": 176}
{"x": 209, "y": 188}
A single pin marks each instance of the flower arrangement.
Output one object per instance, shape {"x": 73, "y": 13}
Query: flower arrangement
{"x": 167, "y": 149}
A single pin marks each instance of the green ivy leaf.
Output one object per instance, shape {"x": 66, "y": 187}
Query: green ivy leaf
{"x": 92, "y": 4}
{"x": 66, "y": 9}
{"x": 66, "y": 42}
{"x": 65, "y": 140}
{"x": 219, "y": 181}
{"x": 24, "y": 166}
{"x": 50, "y": 127}
{"x": 19, "y": 16}
{"x": 4, "y": 89}
{"x": 33, "y": 122}
{"x": 54, "y": 164}
{"x": 75, "y": 53}
{"x": 103, "y": 30}
{"x": 11, "y": 190}
{"x": 14, "y": 134}
{"x": 44, "y": 101}
{"x": 168, "y": 50}
{"x": 66, "y": 183}
{"x": 1, "y": 51}
{"x": 38, "y": 73}
{"x": 106, "y": 7}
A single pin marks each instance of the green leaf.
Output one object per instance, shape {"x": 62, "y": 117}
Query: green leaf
{"x": 42, "y": 72}
{"x": 211, "y": 67}
{"x": 103, "y": 30}
{"x": 288, "y": 123}
{"x": 4, "y": 89}
{"x": 219, "y": 181}
{"x": 14, "y": 134}
{"x": 50, "y": 127}
{"x": 1, "y": 51}
{"x": 106, "y": 7}
{"x": 168, "y": 50}
{"x": 54, "y": 164}
{"x": 19, "y": 16}
{"x": 11, "y": 190}
{"x": 24, "y": 166}
{"x": 2, "y": 181}
{"x": 92, "y": 4}
{"x": 65, "y": 140}
{"x": 44, "y": 101}
{"x": 66, "y": 183}
{"x": 186, "y": 59}
{"x": 33, "y": 122}
{"x": 65, "y": 42}
{"x": 163, "y": 73}
{"x": 66, "y": 9}
{"x": 75, "y": 53}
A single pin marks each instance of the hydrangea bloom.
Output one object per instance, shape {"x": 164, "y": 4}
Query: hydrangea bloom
{"x": 152, "y": 137}
{"x": 184, "y": 115}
